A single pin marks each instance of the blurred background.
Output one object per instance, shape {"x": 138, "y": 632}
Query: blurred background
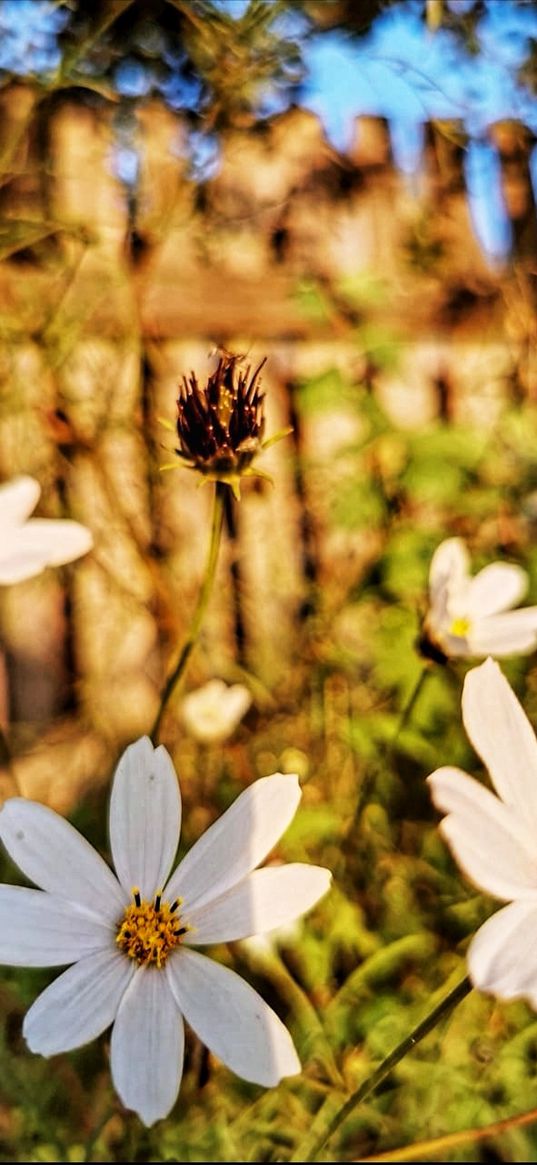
{"x": 348, "y": 189}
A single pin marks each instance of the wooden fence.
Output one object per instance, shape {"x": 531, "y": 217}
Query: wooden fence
{"x": 108, "y": 295}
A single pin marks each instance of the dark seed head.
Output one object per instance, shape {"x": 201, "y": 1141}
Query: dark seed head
{"x": 220, "y": 427}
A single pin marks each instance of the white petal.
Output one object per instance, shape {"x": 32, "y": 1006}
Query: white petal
{"x": 494, "y": 847}
{"x": 239, "y": 700}
{"x": 262, "y": 901}
{"x": 55, "y": 856}
{"x": 237, "y": 842}
{"x": 502, "y": 958}
{"x": 448, "y": 584}
{"x": 58, "y": 540}
{"x": 79, "y": 1005}
{"x": 231, "y": 1018}
{"x": 15, "y": 567}
{"x": 40, "y": 930}
{"x": 496, "y": 588}
{"x": 147, "y": 1046}
{"x": 212, "y": 713}
{"x": 503, "y": 737}
{"x": 450, "y": 564}
{"x": 145, "y": 817}
{"x": 509, "y": 634}
{"x": 18, "y": 498}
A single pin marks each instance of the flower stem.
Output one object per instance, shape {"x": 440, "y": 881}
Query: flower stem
{"x": 309, "y": 1151}
{"x": 178, "y": 672}
{"x": 411, "y": 702}
{"x": 5, "y": 751}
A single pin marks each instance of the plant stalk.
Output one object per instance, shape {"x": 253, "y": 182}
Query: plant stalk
{"x": 178, "y": 672}
{"x": 368, "y": 1086}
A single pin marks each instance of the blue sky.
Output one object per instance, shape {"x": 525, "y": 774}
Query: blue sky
{"x": 400, "y": 70}
{"x": 404, "y": 72}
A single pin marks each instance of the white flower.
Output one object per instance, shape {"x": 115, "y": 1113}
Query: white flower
{"x": 471, "y": 616}
{"x": 27, "y": 547}
{"x": 130, "y": 937}
{"x": 494, "y": 838}
{"x": 212, "y": 713}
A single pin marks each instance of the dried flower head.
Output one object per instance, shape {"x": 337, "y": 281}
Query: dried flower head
{"x": 220, "y": 427}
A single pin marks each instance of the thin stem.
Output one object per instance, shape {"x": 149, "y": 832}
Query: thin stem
{"x": 411, "y": 702}
{"x": 9, "y": 783}
{"x": 421, "y": 1149}
{"x": 203, "y": 598}
{"x": 5, "y": 751}
{"x": 371, "y": 1084}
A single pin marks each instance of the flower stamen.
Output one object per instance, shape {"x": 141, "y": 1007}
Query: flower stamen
{"x": 150, "y": 931}
{"x": 460, "y": 627}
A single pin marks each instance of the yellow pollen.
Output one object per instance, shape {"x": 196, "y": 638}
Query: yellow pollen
{"x": 225, "y": 406}
{"x": 460, "y": 627}
{"x": 149, "y": 931}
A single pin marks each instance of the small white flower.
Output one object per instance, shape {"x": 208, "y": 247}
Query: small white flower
{"x": 471, "y": 616}
{"x": 28, "y": 546}
{"x": 212, "y": 713}
{"x": 130, "y": 937}
{"x": 494, "y": 838}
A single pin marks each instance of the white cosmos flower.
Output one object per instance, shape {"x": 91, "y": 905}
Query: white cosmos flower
{"x": 494, "y": 838}
{"x": 28, "y": 546}
{"x": 212, "y": 713}
{"x": 471, "y": 616}
{"x": 130, "y": 936}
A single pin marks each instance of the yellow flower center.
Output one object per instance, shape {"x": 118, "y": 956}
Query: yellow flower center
{"x": 149, "y": 931}
{"x": 460, "y": 627}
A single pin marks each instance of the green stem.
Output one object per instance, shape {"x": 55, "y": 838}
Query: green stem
{"x": 411, "y": 702}
{"x": 371, "y": 1084}
{"x": 9, "y": 785}
{"x": 5, "y": 751}
{"x": 190, "y": 642}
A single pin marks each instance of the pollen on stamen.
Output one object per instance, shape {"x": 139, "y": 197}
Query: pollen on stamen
{"x": 150, "y": 931}
{"x": 460, "y": 627}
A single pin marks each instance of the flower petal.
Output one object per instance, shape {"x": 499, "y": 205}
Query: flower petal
{"x": 15, "y": 566}
{"x": 147, "y": 1046}
{"x": 502, "y": 958}
{"x": 450, "y": 563}
{"x": 231, "y": 1018}
{"x": 58, "y": 540}
{"x": 503, "y": 737}
{"x": 262, "y": 901}
{"x": 145, "y": 817}
{"x": 18, "y": 498}
{"x": 508, "y": 634}
{"x": 212, "y": 713}
{"x": 448, "y": 580}
{"x": 79, "y": 1005}
{"x": 40, "y": 930}
{"x": 237, "y": 842}
{"x": 55, "y": 856}
{"x": 497, "y": 587}
{"x": 492, "y": 844}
